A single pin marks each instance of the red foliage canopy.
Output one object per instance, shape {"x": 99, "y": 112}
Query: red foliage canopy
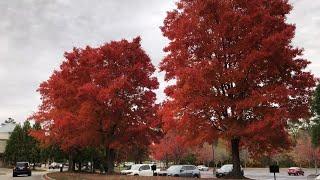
{"x": 237, "y": 74}
{"x": 100, "y": 97}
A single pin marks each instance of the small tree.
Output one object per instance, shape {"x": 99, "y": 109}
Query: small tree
{"x": 21, "y": 146}
{"x": 204, "y": 154}
{"x": 315, "y": 128}
{"x": 171, "y": 148}
{"x": 13, "y": 150}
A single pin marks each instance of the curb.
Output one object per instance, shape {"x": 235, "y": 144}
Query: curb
{"x": 46, "y": 177}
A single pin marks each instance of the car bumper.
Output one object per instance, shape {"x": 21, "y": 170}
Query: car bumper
{"x": 162, "y": 174}
{"x": 219, "y": 175}
{"x": 22, "y": 172}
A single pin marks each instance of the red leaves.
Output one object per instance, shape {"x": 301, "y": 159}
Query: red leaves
{"x": 236, "y": 72}
{"x": 101, "y": 96}
{"x": 170, "y": 148}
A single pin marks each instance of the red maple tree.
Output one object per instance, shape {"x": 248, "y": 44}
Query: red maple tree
{"x": 204, "y": 154}
{"x": 100, "y": 97}
{"x": 171, "y": 147}
{"x": 237, "y": 75}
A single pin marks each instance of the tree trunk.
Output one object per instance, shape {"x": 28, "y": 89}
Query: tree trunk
{"x": 110, "y": 160}
{"x": 71, "y": 163}
{"x": 213, "y": 157}
{"x": 236, "y": 171}
{"x": 79, "y": 168}
{"x": 91, "y": 165}
{"x": 315, "y": 165}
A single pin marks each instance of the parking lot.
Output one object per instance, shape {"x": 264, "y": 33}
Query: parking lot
{"x": 263, "y": 174}
{"x": 252, "y": 173}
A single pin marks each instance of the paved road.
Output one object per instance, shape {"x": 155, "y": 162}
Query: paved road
{"x": 6, "y": 174}
{"x": 263, "y": 174}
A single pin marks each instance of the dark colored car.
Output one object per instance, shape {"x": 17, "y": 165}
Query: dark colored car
{"x": 296, "y": 171}
{"x": 225, "y": 170}
{"x": 21, "y": 168}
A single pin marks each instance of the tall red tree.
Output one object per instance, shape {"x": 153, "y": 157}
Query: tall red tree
{"x": 237, "y": 75}
{"x": 100, "y": 97}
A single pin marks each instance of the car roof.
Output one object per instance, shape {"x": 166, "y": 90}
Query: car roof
{"x": 141, "y": 164}
{"x": 177, "y": 165}
{"x": 227, "y": 165}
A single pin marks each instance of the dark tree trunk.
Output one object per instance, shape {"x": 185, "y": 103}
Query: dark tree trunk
{"x": 71, "y": 163}
{"x": 110, "y": 161}
{"x": 236, "y": 171}
{"x": 79, "y": 169}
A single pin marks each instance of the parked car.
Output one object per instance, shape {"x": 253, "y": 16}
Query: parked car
{"x": 318, "y": 177}
{"x": 203, "y": 168}
{"x": 21, "y": 168}
{"x": 296, "y": 171}
{"x": 183, "y": 171}
{"x": 139, "y": 170}
{"x": 55, "y": 165}
{"x": 225, "y": 170}
{"x": 35, "y": 164}
{"x": 161, "y": 173}
{"x": 128, "y": 164}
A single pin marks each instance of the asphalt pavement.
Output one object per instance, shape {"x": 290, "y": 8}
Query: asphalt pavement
{"x": 263, "y": 174}
{"x": 6, "y": 174}
{"x": 252, "y": 173}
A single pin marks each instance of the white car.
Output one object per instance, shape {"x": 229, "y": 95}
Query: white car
{"x": 318, "y": 177}
{"x": 55, "y": 165}
{"x": 139, "y": 170}
{"x": 203, "y": 168}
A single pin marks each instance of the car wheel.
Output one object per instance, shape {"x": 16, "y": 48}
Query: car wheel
{"x": 136, "y": 175}
{"x": 29, "y": 174}
{"x": 176, "y": 175}
{"x": 14, "y": 175}
{"x": 196, "y": 176}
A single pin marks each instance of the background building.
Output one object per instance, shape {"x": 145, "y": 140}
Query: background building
{"x": 5, "y": 132}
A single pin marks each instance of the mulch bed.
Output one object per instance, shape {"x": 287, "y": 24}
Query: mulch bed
{"x": 85, "y": 176}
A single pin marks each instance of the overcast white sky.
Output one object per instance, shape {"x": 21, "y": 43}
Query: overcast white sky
{"x": 34, "y": 34}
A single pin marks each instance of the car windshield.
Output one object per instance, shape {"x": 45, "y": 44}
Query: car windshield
{"x": 135, "y": 167}
{"x": 227, "y": 168}
{"x": 22, "y": 164}
{"x": 173, "y": 168}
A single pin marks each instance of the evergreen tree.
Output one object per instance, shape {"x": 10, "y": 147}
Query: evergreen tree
{"x": 13, "y": 148}
{"x": 21, "y": 146}
{"x": 315, "y": 130}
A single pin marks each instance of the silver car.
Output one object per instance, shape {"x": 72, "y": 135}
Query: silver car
{"x": 183, "y": 171}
